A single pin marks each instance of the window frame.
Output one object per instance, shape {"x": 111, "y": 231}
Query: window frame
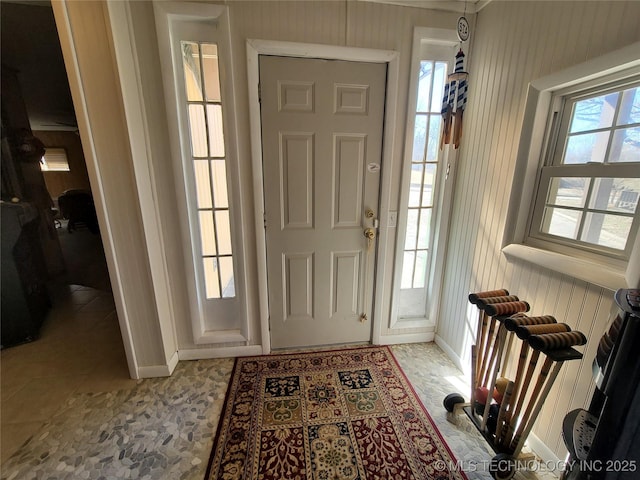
{"x": 560, "y": 116}
{"x": 213, "y": 209}
{"x": 213, "y": 320}
{"x": 445, "y": 43}
{"x": 61, "y": 158}
{"x": 538, "y": 136}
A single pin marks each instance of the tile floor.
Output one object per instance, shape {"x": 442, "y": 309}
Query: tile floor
{"x": 70, "y": 410}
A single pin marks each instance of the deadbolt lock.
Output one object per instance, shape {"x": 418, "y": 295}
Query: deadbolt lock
{"x": 369, "y": 213}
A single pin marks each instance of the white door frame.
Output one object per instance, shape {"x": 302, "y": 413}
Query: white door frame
{"x": 86, "y": 129}
{"x": 255, "y": 48}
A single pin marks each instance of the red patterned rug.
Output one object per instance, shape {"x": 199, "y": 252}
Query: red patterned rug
{"x": 345, "y": 414}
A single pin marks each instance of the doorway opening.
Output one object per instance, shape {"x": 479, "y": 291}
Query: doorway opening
{"x": 60, "y": 331}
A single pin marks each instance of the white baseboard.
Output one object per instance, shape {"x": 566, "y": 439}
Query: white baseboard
{"x": 405, "y": 338}
{"x": 542, "y": 451}
{"x": 222, "y": 352}
{"x": 453, "y": 356}
{"x": 153, "y": 371}
{"x": 173, "y": 361}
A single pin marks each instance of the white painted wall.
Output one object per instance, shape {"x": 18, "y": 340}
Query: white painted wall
{"x": 515, "y": 43}
{"x": 85, "y": 37}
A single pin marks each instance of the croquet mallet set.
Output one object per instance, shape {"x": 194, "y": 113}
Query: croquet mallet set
{"x": 505, "y": 409}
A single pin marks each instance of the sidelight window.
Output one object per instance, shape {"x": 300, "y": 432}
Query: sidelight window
{"x": 207, "y": 140}
{"x": 420, "y": 190}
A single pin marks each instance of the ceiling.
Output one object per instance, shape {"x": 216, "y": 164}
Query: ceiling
{"x": 30, "y": 45}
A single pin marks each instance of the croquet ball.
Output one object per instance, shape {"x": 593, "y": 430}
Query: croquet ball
{"x": 492, "y": 419}
{"x": 501, "y": 384}
{"x": 481, "y": 395}
{"x": 451, "y": 400}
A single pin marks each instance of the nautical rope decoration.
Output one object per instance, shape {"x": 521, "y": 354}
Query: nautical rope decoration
{"x": 454, "y": 102}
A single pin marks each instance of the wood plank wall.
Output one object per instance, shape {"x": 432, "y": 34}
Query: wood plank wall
{"x": 515, "y": 43}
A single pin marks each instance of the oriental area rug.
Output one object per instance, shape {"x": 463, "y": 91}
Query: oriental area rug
{"x": 332, "y": 415}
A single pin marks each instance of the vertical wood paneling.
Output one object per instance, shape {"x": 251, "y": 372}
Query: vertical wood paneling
{"x": 515, "y": 43}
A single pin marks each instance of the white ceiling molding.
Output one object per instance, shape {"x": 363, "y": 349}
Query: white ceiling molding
{"x": 471, "y": 6}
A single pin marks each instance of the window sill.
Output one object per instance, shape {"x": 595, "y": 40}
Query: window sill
{"x": 595, "y": 273}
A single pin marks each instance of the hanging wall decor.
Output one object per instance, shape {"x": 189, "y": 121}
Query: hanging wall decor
{"x": 455, "y": 91}
{"x": 454, "y": 102}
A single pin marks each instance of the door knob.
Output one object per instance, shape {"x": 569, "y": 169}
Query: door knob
{"x": 369, "y": 233}
{"x": 371, "y": 215}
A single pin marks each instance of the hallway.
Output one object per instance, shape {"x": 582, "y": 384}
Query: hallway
{"x": 79, "y": 351}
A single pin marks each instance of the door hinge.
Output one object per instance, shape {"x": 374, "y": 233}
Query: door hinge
{"x": 259, "y": 93}
{"x": 264, "y": 219}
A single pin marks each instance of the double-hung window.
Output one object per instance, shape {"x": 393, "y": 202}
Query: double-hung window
{"x": 587, "y": 198}
{"x": 574, "y": 199}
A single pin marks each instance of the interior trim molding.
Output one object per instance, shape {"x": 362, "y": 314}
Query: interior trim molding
{"x": 77, "y": 86}
{"x": 153, "y": 371}
{"x": 255, "y": 48}
{"x": 424, "y": 337}
{"x": 219, "y": 352}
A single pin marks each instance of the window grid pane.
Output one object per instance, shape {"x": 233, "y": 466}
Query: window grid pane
{"x": 216, "y": 135}
{"x": 192, "y": 73}
{"x": 425, "y": 81}
{"x": 604, "y": 128}
{"x": 630, "y": 107}
{"x": 595, "y": 211}
{"x": 206, "y": 129}
{"x": 211, "y": 71}
{"x": 203, "y": 185}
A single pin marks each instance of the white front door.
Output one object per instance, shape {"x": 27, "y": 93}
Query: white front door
{"x": 322, "y": 123}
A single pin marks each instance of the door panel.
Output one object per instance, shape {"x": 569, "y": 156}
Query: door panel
{"x": 322, "y": 125}
{"x": 298, "y": 286}
{"x": 348, "y": 169}
{"x": 296, "y": 167}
